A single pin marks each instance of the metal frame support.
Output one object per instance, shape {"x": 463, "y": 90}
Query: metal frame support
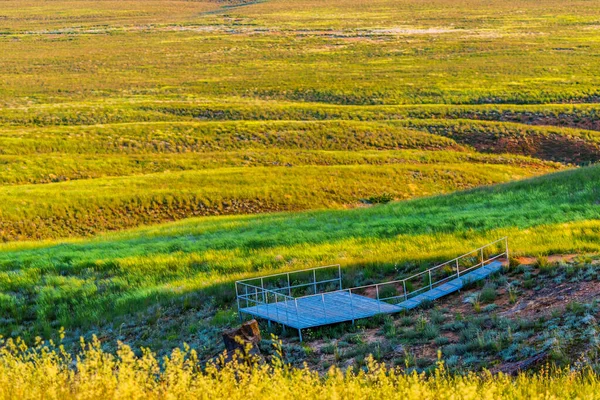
{"x": 482, "y": 256}
{"x": 298, "y": 319}
{"x": 237, "y": 296}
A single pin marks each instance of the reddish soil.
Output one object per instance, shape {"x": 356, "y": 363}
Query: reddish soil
{"x": 552, "y": 298}
{"x": 530, "y": 304}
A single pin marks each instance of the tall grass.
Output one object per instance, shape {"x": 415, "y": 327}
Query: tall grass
{"x": 49, "y": 168}
{"x": 45, "y": 371}
{"x": 201, "y": 137}
{"x": 84, "y": 207}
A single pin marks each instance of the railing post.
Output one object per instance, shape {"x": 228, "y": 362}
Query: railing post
{"x": 315, "y": 280}
{"x": 246, "y": 286}
{"x": 237, "y": 296}
{"x": 340, "y": 275}
{"x": 404, "y": 286}
{"x": 457, "y": 269}
{"x": 266, "y": 296}
{"x": 430, "y": 282}
{"x": 298, "y": 318}
{"x": 378, "y": 302}
{"x": 351, "y": 305}
{"x": 276, "y": 307}
{"x": 506, "y": 245}
{"x": 482, "y": 256}
{"x": 289, "y": 285}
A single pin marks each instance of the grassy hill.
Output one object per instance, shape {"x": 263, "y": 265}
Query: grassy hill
{"x": 81, "y": 283}
{"x": 121, "y": 114}
{"x": 63, "y": 181}
{"x": 153, "y": 152}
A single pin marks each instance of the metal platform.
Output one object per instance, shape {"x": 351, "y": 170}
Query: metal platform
{"x": 453, "y": 285}
{"x": 321, "y": 309}
{"x": 328, "y": 306}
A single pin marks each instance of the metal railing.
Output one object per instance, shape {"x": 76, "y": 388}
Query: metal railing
{"x": 261, "y": 295}
{"x": 455, "y": 262}
{"x": 254, "y": 295}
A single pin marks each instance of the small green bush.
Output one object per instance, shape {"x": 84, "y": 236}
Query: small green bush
{"x": 389, "y": 327}
{"x": 441, "y": 340}
{"x": 543, "y": 264}
{"x": 437, "y": 317}
{"x": 487, "y": 295}
{"x": 576, "y": 308}
{"x": 431, "y": 331}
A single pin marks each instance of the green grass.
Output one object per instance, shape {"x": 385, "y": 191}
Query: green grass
{"x": 58, "y": 167}
{"x": 201, "y": 137}
{"x": 120, "y": 114}
{"x": 83, "y": 282}
{"x": 83, "y": 207}
{"x": 81, "y": 180}
{"x": 443, "y": 52}
{"x": 458, "y": 51}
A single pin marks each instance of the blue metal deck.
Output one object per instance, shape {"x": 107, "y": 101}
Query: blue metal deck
{"x": 339, "y": 306}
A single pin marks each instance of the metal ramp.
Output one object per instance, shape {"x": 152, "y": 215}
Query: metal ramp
{"x": 283, "y": 298}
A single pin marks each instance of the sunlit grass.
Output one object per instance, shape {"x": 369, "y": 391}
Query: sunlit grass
{"x": 89, "y": 206}
{"x": 88, "y": 282}
{"x": 455, "y": 51}
{"x": 126, "y": 114}
{"x": 45, "y": 371}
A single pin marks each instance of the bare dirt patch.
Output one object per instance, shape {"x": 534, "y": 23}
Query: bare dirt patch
{"x": 552, "y": 298}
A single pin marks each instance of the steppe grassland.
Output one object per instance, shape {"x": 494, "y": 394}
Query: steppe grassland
{"x": 487, "y": 52}
{"x": 518, "y": 53}
{"x": 94, "y": 281}
{"x": 170, "y": 170}
{"x": 108, "y": 121}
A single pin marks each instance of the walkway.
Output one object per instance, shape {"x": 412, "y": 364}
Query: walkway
{"x": 342, "y": 305}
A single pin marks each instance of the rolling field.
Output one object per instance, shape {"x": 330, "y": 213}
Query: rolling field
{"x": 153, "y": 152}
{"x": 120, "y": 114}
{"x": 81, "y": 283}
